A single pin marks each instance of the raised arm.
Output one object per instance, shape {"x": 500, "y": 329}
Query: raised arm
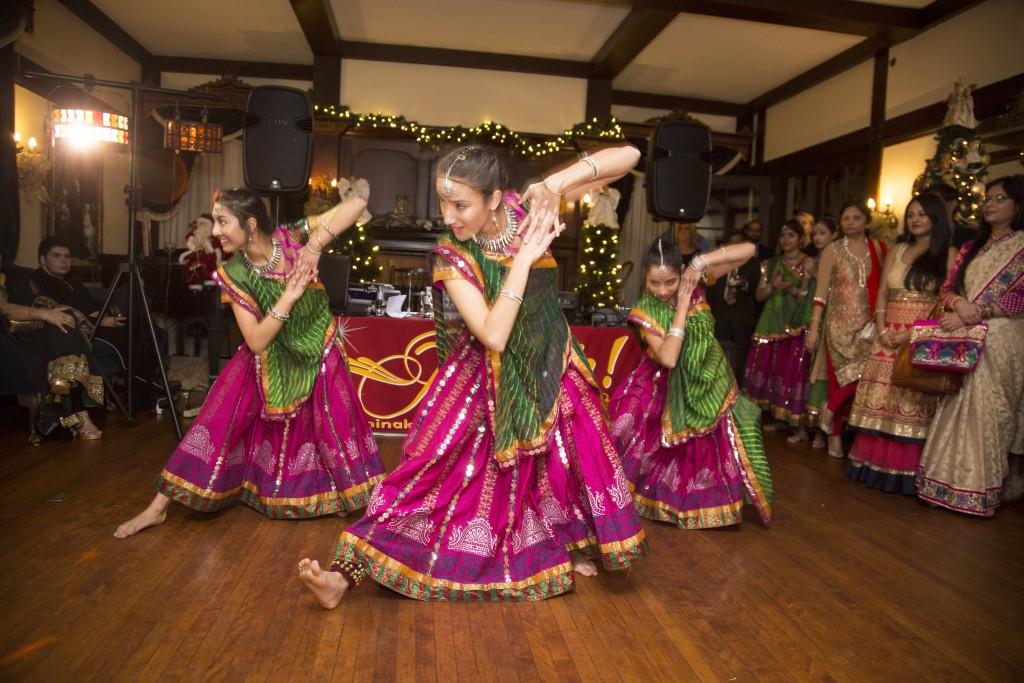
{"x": 588, "y": 172}
{"x": 718, "y": 262}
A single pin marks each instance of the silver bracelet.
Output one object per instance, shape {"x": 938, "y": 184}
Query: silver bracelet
{"x": 323, "y": 224}
{"x": 677, "y": 332}
{"x": 512, "y": 295}
{"x": 279, "y": 316}
{"x": 699, "y": 263}
{"x": 593, "y": 164}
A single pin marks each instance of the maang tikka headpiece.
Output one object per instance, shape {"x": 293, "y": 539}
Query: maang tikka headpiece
{"x": 662, "y": 268}
{"x": 447, "y": 189}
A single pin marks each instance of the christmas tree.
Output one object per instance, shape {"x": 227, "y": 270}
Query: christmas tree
{"x": 356, "y": 241}
{"x": 599, "y": 284}
{"x": 960, "y": 159}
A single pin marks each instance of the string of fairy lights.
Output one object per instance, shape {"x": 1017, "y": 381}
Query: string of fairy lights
{"x": 490, "y": 132}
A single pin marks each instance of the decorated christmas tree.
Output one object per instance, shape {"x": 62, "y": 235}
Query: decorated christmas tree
{"x": 599, "y": 284}
{"x": 356, "y": 241}
{"x": 960, "y": 159}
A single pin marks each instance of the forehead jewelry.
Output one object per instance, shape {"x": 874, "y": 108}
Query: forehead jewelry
{"x": 447, "y": 189}
{"x": 662, "y": 269}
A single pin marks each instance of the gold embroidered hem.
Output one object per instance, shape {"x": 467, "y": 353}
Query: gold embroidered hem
{"x": 75, "y": 369}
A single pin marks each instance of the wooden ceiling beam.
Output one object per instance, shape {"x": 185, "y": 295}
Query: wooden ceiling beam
{"x": 318, "y": 25}
{"x": 95, "y": 19}
{"x": 692, "y": 105}
{"x": 465, "y": 59}
{"x": 222, "y": 67}
{"x": 629, "y": 39}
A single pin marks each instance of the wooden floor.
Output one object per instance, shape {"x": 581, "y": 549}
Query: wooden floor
{"x": 848, "y": 584}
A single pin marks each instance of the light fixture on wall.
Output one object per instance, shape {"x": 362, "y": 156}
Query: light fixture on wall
{"x": 33, "y": 168}
{"x": 885, "y": 219}
{"x": 83, "y": 125}
{"x": 193, "y": 136}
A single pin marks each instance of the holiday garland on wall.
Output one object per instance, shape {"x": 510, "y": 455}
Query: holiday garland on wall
{"x": 960, "y": 159}
{"x": 487, "y": 132}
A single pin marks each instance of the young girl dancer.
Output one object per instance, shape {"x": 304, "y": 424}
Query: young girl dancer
{"x": 690, "y": 442}
{"x": 508, "y": 480}
{"x": 777, "y": 367}
{"x": 282, "y": 429}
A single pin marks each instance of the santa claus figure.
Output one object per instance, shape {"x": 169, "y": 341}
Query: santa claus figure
{"x": 203, "y": 253}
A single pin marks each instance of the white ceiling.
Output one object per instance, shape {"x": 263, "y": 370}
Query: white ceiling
{"x": 695, "y": 55}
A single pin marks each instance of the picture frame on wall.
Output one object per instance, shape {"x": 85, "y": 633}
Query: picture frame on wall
{"x": 76, "y": 212}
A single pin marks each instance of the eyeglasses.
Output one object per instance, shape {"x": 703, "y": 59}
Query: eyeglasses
{"x": 997, "y": 198}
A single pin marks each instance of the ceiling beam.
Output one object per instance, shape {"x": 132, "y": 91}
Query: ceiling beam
{"x": 318, "y": 25}
{"x": 106, "y": 27}
{"x": 221, "y": 67}
{"x": 692, "y": 105}
{"x": 629, "y": 39}
{"x": 433, "y": 56}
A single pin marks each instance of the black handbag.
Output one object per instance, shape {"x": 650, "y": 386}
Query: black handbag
{"x": 53, "y": 416}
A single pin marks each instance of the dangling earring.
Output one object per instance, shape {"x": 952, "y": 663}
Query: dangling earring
{"x": 494, "y": 219}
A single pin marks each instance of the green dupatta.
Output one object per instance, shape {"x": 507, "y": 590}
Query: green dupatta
{"x": 701, "y": 387}
{"x": 525, "y": 381}
{"x": 782, "y": 311}
{"x": 288, "y": 367}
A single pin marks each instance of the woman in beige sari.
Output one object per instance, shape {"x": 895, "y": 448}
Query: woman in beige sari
{"x": 965, "y": 458}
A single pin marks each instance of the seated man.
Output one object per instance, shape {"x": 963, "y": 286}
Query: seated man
{"x": 53, "y": 279}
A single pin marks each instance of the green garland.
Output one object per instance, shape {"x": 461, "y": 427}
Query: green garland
{"x": 489, "y": 132}
{"x": 598, "y": 283}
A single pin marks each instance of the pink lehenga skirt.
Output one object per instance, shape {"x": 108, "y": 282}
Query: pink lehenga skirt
{"x": 776, "y": 378}
{"x": 450, "y": 524}
{"x": 698, "y": 483}
{"x": 321, "y": 461}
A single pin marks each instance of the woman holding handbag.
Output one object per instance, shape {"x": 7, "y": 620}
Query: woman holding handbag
{"x": 965, "y": 459}
{"x": 892, "y": 422}
{"x": 848, "y": 278}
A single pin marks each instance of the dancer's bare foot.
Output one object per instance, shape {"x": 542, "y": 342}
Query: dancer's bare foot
{"x": 797, "y": 436}
{"x": 825, "y": 421}
{"x": 153, "y": 515}
{"x": 835, "y": 447}
{"x": 585, "y": 568}
{"x": 819, "y": 441}
{"x": 328, "y": 587}
{"x": 773, "y": 426}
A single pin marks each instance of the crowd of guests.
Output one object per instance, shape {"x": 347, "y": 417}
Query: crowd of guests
{"x": 833, "y": 307}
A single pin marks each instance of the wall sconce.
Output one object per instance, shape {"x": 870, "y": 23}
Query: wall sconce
{"x": 82, "y": 125}
{"x": 33, "y": 168}
{"x": 193, "y": 136}
{"x": 885, "y": 219}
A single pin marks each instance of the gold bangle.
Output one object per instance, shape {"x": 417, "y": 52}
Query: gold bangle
{"x": 310, "y": 249}
{"x": 551, "y": 190}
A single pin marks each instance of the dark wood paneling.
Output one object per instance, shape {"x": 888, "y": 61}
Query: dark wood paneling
{"x": 317, "y": 22}
{"x": 197, "y": 65}
{"x": 628, "y": 40}
{"x": 693, "y": 105}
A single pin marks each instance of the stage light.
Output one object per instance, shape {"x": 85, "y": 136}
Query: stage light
{"x": 193, "y": 136}
{"x": 83, "y": 125}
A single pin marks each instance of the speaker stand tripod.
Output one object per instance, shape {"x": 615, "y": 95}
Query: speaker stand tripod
{"x": 136, "y": 290}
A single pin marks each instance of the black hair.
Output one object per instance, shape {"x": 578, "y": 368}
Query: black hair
{"x": 1013, "y": 186}
{"x": 50, "y": 242}
{"x": 929, "y": 268}
{"x": 944, "y": 191}
{"x": 858, "y": 204}
{"x": 243, "y": 205}
{"x": 481, "y": 169}
{"x": 793, "y": 225}
{"x": 652, "y": 257}
{"x": 833, "y": 228}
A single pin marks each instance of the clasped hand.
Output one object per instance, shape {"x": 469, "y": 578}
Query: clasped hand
{"x": 539, "y": 229}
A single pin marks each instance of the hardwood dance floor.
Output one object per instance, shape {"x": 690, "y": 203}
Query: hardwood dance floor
{"x": 848, "y": 584}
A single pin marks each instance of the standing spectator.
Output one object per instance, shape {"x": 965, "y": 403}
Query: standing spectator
{"x": 733, "y": 305}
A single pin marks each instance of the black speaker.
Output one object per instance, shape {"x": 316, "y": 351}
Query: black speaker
{"x": 679, "y": 170}
{"x": 278, "y": 139}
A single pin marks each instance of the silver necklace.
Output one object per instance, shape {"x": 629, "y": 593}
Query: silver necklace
{"x": 499, "y": 243}
{"x": 267, "y": 267}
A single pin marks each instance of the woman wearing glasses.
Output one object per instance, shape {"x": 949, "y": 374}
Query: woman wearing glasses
{"x": 965, "y": 459}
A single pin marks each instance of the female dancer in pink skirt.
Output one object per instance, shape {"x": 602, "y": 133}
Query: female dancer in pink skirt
{"x": 508, "y": 480}
{"x": 282, "y": 429}
{"x": 690, "y": 441}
